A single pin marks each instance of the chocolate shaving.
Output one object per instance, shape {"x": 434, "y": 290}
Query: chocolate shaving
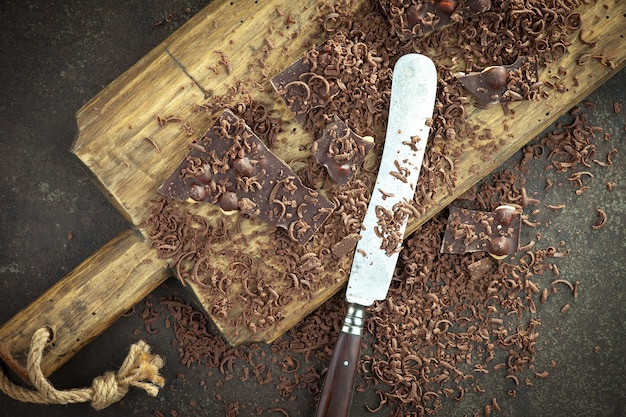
{"x": 601, "y": 221}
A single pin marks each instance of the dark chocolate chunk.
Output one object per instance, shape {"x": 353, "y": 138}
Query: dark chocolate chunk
{"x": 346, "y": 245}
{"x": 346, "y": 76}
{"x": 504, "y": 83}
{"x": 496, "y": 233}
{"x": 294, "y": 92}
{"x": 232, "y": 168}
{"x": 302, "y": 89}
{"x": 341, "y": 150}
{"x": 420, "y": 17}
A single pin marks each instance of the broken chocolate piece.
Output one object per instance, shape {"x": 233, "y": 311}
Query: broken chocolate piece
{"x": 341, "y": 150}
{"x": 294, "y": 92}
{"x": 504, "y": 83}
{"x": 496, "y": 233}
{"x": 420, "y": 17}
{"x": 346, "y": 245}
{"x": 232, "y": 168}
{"x": 303, "y": 89}
{"x": 480, "y": 268}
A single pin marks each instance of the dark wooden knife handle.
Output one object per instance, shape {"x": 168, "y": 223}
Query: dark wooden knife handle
{"x": 341, "y": 375}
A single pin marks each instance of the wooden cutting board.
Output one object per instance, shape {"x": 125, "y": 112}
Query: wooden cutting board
{"x": 130, "y": 154}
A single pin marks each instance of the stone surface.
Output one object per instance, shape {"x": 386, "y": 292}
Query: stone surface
{"x": 55, "y": 57}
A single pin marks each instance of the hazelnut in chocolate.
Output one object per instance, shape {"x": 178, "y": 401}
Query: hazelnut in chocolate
{"x": 341, "y": 150}
{"x": 496, "y": 233}
{"x": 232, "y": 168}
{"x": 417, "y": 18}
{"x": 504, "y": 83}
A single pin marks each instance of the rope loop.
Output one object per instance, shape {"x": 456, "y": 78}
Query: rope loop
{"x": 140, "y": 369}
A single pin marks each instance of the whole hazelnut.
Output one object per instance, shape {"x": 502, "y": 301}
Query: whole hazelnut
{"x": 446, "y": 6}
{"x": 243, "y": 167}
{"x": 499, "y": 247}
{"x": 228, "y": 201}
{"x": 197, "y": 192}
{"x": 206, "y": 176}
{"x": 503, "y": 215}
{"x": 496, "y": 77}
{"x": 341, "y": 172}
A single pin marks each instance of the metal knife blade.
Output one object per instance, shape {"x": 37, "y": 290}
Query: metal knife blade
{"x": 413, "y": 92}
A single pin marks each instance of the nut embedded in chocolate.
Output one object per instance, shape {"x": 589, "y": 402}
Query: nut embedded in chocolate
{"x": 229, "y": 201}
{"x": 504, "y": 83}
{"x": 446, "y": 6}
{"x": 412, "y": 19}
{"x": 503, "y": 215}
{"x": 197, "y": 193}
{"x": 499, "y": 247}
{"x": 242, "y": 166}
{"x": 471, "y": 231}
{"x": 341, "y": 150}
{"x": 206, "y": 176}
{"x": 414, "y": 14}
{"x": 496, "y": 77}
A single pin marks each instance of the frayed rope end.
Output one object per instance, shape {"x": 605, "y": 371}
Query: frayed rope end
{"x": 140, "y": 369}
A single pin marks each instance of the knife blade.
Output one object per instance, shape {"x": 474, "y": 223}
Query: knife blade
{"x": 413, "y": 90}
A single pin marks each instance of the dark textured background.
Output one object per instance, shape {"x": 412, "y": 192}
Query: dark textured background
{"x": 55, "y": 56}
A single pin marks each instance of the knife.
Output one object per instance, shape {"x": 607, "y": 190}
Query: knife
{"x": 413, "y": 91}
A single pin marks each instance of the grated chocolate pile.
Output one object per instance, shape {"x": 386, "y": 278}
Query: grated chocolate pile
{"x": 358, "y": 56}
{"x": 448, "y": 319}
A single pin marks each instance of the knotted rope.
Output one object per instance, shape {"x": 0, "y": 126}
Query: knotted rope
{"x": 140, "y": 369}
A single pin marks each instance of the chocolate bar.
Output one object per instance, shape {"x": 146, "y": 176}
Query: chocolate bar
{"x": 232, "y": 168}
{"x": 496, "y": 233}
{"x": 414, "y": 19}
{"x": 504, "y": 83}
{"x": 341, "y": 150}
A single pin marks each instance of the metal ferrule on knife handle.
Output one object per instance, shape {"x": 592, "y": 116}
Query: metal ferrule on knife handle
{"x": 341, "y": 375}
{"x": 353, "y": 323}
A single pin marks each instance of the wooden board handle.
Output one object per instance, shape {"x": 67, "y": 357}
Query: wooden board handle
{"x": 84, "y": 303}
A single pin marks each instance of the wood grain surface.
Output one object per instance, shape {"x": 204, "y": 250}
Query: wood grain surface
{"x": 130, "y": 154}
{"x": 85, "y": 302}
